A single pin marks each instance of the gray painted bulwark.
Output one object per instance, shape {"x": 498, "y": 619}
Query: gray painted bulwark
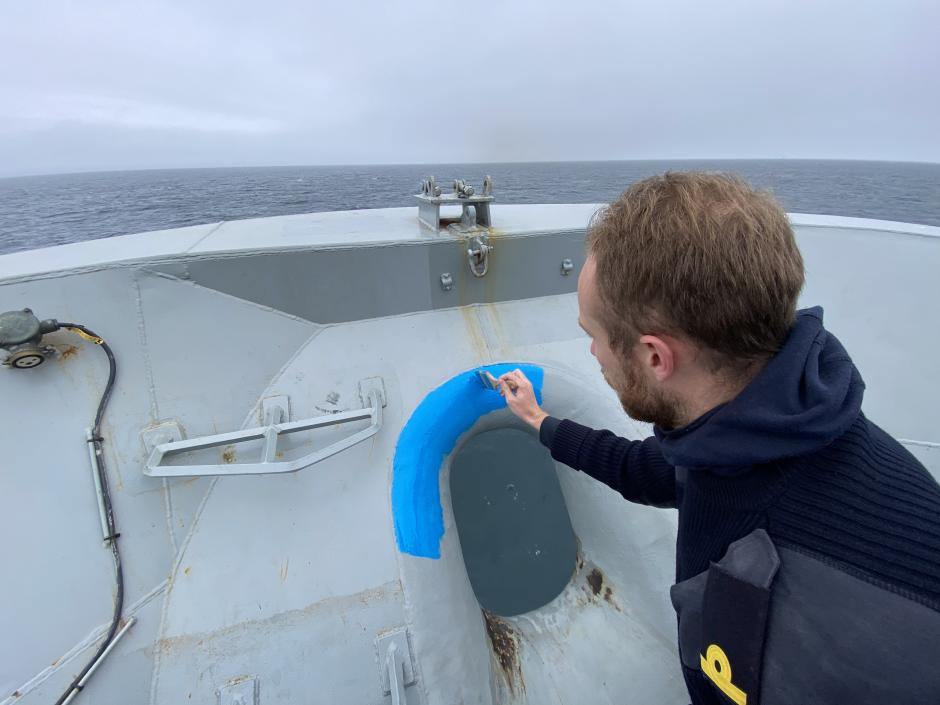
{"x": 347, "y": 284}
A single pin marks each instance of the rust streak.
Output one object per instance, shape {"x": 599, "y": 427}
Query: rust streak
{"x": 497, "y": 327}
{"x": 595, "y": 579}
{"x": 505, "y": 645}
{"x": 475, "y": 333}
{"x": 609, "y": 597}
{"x": 228, "y": 455}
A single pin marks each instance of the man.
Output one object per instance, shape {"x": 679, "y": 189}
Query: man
{"x": 808, "y": 548}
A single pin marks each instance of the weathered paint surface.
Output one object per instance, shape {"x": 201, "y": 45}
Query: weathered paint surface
{"x": 290, "y": 579}
{"x": 505, "y": 646}
{"x": 533, "y": 651}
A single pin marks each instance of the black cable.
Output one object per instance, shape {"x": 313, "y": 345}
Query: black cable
{"x": 109, "y": 512}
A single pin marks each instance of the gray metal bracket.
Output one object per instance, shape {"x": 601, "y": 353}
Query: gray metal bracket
{"x": 371, "y": 390}
{"x": 275, "y": 410}
{"x": 167, "y": 431}
{"x": 369, "y": 385}
{"x": 475, "y": 208}
{"x": 396, "y": 666}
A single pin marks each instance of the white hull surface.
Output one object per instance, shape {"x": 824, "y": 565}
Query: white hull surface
{"x": 279, "y": 587}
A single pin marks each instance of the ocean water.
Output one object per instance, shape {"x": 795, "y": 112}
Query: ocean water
{"x": 39, "y": 211}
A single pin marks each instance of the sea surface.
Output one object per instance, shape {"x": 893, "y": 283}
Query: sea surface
{"x": 39, "y": 211}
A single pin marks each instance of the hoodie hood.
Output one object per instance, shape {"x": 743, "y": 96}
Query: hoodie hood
{"x": 806, "y": 396}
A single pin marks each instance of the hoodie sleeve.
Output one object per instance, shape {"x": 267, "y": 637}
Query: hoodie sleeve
{"x": 636, "y": 469}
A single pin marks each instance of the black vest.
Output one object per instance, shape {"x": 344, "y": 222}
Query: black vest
{"x": 774, "y": 626}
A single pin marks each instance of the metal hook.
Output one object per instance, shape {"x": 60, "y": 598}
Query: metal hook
{"x": 478, "y": 255}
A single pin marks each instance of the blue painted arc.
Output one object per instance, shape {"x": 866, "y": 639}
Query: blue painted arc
{"x": 429, "y": 436}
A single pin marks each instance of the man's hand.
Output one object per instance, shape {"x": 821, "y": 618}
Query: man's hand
{"x": 520, "y": 398}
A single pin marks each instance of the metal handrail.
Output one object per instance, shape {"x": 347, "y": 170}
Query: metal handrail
{"x": 269, "y": 463}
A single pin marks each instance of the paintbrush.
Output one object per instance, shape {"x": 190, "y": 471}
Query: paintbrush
{"x": 490, "y": 382}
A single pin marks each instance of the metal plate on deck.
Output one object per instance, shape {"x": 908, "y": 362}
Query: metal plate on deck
{"x": 399, "y": 637}
{"x": 241, "y": 691}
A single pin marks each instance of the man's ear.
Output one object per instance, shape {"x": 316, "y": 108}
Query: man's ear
{"x": 658, "y": 355}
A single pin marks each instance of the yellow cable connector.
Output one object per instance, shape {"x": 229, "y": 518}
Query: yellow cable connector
{"x": 90, "y": 338}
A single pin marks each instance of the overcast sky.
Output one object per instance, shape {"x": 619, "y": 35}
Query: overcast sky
{"x": 91, "y": 84}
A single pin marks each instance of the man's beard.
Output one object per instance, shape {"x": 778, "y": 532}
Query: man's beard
{"x": 641, "y": 401}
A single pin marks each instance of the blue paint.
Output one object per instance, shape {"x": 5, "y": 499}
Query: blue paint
{"x": 430, "y": 434}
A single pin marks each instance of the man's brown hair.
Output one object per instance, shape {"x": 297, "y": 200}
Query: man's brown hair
{"x": 700, "y": 255}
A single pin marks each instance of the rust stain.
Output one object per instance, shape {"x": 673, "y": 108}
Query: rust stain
{"x": 505, "y": 645}
{"x": 475, "y": 333}
{"x": 596, "y": 585}
{"x": 228, "y": 455}
{"x": 279, "y": 454}
{"x": 67, "y": 351}
{"x": 609, "y": 597}
{"x": 16, "y": 693}
{"x": 186, "y": 570}
{"x": 595, "y": 579}
{"x": 496, "y": 324}
{"x": 284, "y": 568}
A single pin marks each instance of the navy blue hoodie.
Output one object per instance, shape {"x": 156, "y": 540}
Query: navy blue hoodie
{"x": 806, "y": 396}
{"x": 792, "y": 454}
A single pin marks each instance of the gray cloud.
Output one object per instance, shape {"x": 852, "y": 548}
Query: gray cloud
{"x": 103, "y": 85}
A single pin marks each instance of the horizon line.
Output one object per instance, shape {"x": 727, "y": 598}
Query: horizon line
{"x": 471, "y": 163}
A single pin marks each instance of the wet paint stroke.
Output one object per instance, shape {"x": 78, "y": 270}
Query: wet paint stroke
{"x": 430, "y": 434}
